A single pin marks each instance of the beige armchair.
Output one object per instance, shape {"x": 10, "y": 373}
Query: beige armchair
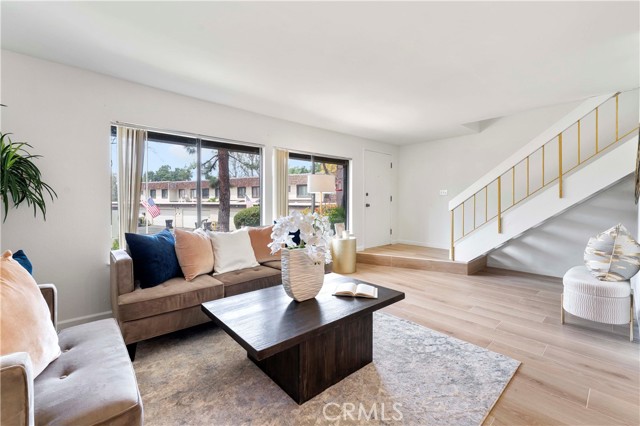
{"x": 91, "y": 383}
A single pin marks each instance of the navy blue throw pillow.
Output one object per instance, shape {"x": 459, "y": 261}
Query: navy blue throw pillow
{"x": 154, "y": 257}
{"x": 23, "y": 260}
{"x": 296, "y": 237}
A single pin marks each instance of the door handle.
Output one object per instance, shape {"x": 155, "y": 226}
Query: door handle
{"x": 367, "y": 205}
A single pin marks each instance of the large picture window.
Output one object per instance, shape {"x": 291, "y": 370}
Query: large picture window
{"x": 334, "y": 204}
{"x": 185, "y": 172}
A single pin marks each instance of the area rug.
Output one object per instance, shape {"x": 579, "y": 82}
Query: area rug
{"x": 201, "y": 376}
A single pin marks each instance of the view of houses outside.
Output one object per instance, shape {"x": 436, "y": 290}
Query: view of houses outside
{"x": 170, "y": 182}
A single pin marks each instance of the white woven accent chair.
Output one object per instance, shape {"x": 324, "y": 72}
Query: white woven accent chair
{"x": 587, "y": 297}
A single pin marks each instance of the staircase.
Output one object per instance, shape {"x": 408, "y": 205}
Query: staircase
{"x": 585, "y": 152}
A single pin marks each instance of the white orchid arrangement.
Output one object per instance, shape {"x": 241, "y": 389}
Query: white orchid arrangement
{"x": 315, "y": 235}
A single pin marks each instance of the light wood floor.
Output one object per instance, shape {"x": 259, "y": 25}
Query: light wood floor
{"x": 582, "y": 373}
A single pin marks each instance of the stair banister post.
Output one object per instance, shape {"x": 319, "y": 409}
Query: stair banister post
{"x": 499, "y": 204}
{"x": 617, "y": 118}
{"x": 560, "y": 165}
{"x": 579, "y": 160}
{"x": 452, "y": 255}
{"x": 543, "y": 164}
{"x": 597, "y": 148}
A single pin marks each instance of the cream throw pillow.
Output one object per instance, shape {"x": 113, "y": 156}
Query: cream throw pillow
{"x": 25, "y": 322}
{"x": 194, "y": 252}
{"x": 232, "y": 251}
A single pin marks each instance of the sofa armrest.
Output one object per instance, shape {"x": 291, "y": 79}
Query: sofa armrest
{"x": 122, "y": 282}
{"x": 16, "y": 389}
{"x": 50, "y": 294}
{"x": 121, "y": 272}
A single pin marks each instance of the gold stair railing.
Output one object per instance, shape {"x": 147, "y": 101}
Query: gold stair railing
{"x": 545, "y": 180}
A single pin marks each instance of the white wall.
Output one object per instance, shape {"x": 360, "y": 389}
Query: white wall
{"x": 557, "y": 245}
{"x": 454, "y": 164}
{"x": 66, "y": 113}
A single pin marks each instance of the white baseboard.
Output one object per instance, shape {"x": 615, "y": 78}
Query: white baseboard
{"x": 83, "y": 319}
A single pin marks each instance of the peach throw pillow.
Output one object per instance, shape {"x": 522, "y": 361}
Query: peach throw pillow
{"x": 260, "y": 237}
{"x": 194, "y": 252}
{"x": 25, "y": 323}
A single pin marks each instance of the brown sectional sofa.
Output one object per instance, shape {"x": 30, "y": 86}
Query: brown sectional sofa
{"x": 175, "y": 304}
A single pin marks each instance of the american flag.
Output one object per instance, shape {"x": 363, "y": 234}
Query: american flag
{"x": 151, "y": 207}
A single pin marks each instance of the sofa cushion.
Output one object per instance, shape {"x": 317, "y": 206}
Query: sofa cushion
{"x": 157, "y": 325}
{"x": 232, "y": 251}
{"x": 249, "y": 279}
{"x": 260, "y": 239}
{"x": 171, "y": 295}
{"x": 92, "y": 382}
{"x": 275, "y": 264}
{"x": 25, "y": 320}
{"x": 194, "y": 252}
{"x": 154, "y": 257}
{"x": 613, "y": 255}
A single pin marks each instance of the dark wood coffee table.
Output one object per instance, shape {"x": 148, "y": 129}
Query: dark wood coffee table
{"x": 304, "y": 347}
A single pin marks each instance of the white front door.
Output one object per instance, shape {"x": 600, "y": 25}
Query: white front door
{"x": 377, "y": 198}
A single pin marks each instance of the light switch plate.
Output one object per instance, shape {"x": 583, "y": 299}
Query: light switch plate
{"x": 443, "y": 192}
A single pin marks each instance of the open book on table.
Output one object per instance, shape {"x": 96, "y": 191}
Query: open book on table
{"x": 356, "y": 290}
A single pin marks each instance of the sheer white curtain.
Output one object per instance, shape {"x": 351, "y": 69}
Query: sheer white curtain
{"x": 281, "y": 183}
{"x": 131, "y": 145}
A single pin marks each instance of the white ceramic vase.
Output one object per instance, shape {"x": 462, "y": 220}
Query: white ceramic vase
{"x": 301, "y": 278}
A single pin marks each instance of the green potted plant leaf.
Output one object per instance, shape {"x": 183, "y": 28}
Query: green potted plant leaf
{"x": 21, "y": 180}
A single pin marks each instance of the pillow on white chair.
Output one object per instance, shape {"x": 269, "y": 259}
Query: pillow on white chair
{"x": 613, "y": 255}
{"x": 25, "y": 323}
{"x": 232, "y": 251}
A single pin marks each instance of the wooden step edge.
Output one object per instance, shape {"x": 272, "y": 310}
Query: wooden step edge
{"x": 436, "y": 265}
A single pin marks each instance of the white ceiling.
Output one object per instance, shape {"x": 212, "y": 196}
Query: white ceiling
{"x": 393, "y": 72}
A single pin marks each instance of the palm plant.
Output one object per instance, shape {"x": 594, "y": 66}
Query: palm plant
{"x": 21, "y": 179}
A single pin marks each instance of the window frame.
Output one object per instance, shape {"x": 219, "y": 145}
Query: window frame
{"x": 306, "y": 191}
{"x": 346, "y": 184}
{"x": 199, "y": 142}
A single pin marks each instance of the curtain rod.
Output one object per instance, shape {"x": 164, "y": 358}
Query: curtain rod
{"x": 186, "y": 134}
{"x": 313, "y": 154}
